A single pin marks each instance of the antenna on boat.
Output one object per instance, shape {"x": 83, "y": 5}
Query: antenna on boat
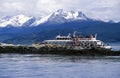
{"x": 74, "y": 33}
{"x": 96, "y": 35}
{"x": 69, "y": 35}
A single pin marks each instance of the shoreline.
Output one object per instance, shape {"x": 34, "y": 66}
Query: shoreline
{"x": 57, "y": 51}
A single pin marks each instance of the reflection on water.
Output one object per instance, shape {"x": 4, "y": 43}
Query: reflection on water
{"x": 55, "y": 66}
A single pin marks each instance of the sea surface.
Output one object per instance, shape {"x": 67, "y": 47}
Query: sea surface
{"x": 56, "y": 66}
{"x": 115, "y": 45}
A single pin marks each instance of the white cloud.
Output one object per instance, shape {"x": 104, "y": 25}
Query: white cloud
{"x": 13, "y": 6}
{"x": 46, "y": 6}
{"x": 103, "y": 9}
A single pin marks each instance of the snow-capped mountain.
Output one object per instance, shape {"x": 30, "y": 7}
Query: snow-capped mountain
{"x": 16, "y": 21}
{"x": 58, "y": 17}
{"x": 40, "y": 20}
{"x": 61, "y": 16}
{"x": 70, "y": 15}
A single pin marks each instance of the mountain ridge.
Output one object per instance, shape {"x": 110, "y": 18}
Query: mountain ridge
{"x": 57, "y": 17}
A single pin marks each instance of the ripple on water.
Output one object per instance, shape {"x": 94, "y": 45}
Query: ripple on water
{"x": 55, "y": 66}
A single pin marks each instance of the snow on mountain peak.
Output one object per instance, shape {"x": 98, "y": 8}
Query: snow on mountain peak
{"x": 64, "y": 13}
{"x": 70, "y": 14}
{"x": 15, "y": 21}
{"x": 41, "y": 20}
{"x": 59, "y": 16}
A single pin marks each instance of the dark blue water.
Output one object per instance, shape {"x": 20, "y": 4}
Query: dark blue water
{"x": 54, "y": 66}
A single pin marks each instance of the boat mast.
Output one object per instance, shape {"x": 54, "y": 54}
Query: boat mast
{"x": 95, "y": 35}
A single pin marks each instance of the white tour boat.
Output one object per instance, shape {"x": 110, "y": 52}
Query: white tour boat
{"x": 79, "y": 41}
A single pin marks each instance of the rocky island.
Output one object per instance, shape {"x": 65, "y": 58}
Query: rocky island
{"x": 53, "y": 49}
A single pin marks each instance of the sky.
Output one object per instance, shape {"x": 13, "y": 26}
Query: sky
{"x": 98, "y": 9}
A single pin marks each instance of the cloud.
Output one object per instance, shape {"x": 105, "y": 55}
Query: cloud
{"x": 44, "y": 7}
{"x": 13, "y": 6}
{"x": 105, "y": 9}
{"x": 102, "y": 9}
